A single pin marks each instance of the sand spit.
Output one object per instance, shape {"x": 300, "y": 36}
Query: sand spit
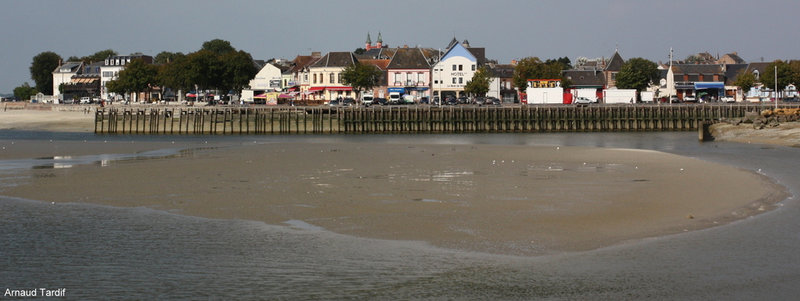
{"x": 499, "y": 199}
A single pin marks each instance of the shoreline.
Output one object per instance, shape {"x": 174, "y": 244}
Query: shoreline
{"x": 493, "y": 199}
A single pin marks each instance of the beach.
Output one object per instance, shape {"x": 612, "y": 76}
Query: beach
{"x": 519, "y": 200}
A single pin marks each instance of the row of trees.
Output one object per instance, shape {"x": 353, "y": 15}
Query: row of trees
{"x": 217, "y": 65}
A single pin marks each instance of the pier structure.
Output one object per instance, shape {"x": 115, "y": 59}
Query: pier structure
{"x": 413, "y": 119}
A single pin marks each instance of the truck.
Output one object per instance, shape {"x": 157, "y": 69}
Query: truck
{"x": 619, "y": 96}
{"x": 545, "y": 95}
{"x": 647, "y": 96}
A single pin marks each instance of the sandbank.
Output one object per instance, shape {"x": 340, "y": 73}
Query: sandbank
{"x": 519, "y": 200}
{"x": 47, "y": 120}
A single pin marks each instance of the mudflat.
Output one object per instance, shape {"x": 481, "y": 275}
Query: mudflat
{"x": 521, "y": 200}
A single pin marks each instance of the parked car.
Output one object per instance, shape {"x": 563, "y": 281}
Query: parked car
{"x": 689, "y": 99}
{"x": 582, "y": 101}
{"x": 380, "y": 100}
{"x": 791, "y": 99}
{"x": 479, "y": 101}
{"x": 463, "y": 100}
{"x": 451, "y": 101}
{"x": 348, "y": 101}
{"x": 493, "y": 101}
{"x": 424, "y": 100}
{"x": 334, "y": 102}
{"x": 727, "y": 99}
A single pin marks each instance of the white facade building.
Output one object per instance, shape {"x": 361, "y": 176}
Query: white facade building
{"x": 63, "y": 74}
{"x": 110, "y": 71}
{"x": 268, "y": 78}
{"x": 453, "y": 71}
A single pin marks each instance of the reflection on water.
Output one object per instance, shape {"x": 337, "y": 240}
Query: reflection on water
{"x": 103, "y": 160}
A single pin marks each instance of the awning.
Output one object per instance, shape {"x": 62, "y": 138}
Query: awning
{"x": 397, "y": 90}
{"x": 709, "y": 85}
{"x": 263, "y": 95}
{"x": 284, "y": 95}
{"x": 315, "y": 89}
{"x": 339, "y": 88}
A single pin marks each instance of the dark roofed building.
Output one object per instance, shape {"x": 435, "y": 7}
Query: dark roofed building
{"x": 409, "y": 58}
{"x": 581, "y": 79}
{"x": 336, "y": 59}
{"x": 612, "y": 68}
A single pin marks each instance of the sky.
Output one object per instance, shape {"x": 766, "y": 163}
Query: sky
{"x": 764, "y": 29}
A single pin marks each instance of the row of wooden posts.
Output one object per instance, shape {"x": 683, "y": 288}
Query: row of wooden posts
{"x": 412, "y": 119}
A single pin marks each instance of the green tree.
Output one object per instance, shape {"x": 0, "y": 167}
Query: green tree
{"x": 166, "y": 57}
{"x": 745, "y": 81}
{"x": 637, "y": 73}
{"x": 218, "y": 46}
{"x": 534, "y": 68}
{"x": 24, "y": 92}
{"x": 176, "y": 74}
{"x": 42, "y": 69}
{"x": 565, "y": 63}
{"x": 359, "y": 51}
{"x": 361, "y": 76}
{"x": 479, "y": 84}
{"x": 138, "y": 76}
{"x": 238, "y": 70}
{"x": 785, "y": 75}
{"x": 205, "y": 69}
{"x": 99, "y": 56}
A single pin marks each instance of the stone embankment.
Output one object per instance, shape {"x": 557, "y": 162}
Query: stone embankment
{"x": 766, "y": 118}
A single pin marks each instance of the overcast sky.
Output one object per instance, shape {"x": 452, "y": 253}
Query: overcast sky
{"x": 507, "y": 29}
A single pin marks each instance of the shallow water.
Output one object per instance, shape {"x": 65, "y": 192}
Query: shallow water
{"x": 99, "y": 252}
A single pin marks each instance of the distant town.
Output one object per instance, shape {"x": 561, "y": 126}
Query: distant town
{"x": 455, "y": 73}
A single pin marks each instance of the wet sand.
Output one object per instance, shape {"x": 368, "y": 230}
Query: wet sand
{"x": 517, "y": 200}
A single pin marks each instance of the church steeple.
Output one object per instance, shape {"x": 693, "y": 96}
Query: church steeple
{"x": 369, "y": 42}
{"x": 380, "y": 41}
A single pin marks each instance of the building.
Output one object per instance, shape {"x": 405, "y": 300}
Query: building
{"x": 63, "y": 74}
{"x": 326, "y": 76}
{"x": 730, "y": 58}
{"x": 456, "y": 68}
{"x": 502, "y": 85}
{"x": 381, "y": 88}
{"x": 378, "y": 45}
{"x": 110, "y": 71}
{"x": 611, "y": 69}
{"x": 409, "y": 73}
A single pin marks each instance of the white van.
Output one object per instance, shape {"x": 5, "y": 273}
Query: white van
{"x": 394, "y": 98}
{"x": 366, "y": 99}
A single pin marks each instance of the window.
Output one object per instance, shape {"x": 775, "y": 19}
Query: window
{"x": 305, "y": 77}
{"x": 454, "y": 67}
{"x": 315, "y": 78}
{"x": 332, "y": 78}
{"x": 473, "y": 67}
{"x": 339, "y": 78}
{"x": 460, "y": 80}
{"x": 454, "y": 80}
{"x": 460, "y": 67}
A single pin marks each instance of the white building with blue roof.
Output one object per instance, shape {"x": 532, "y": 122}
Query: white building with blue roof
{"x": 455, "y": 69}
